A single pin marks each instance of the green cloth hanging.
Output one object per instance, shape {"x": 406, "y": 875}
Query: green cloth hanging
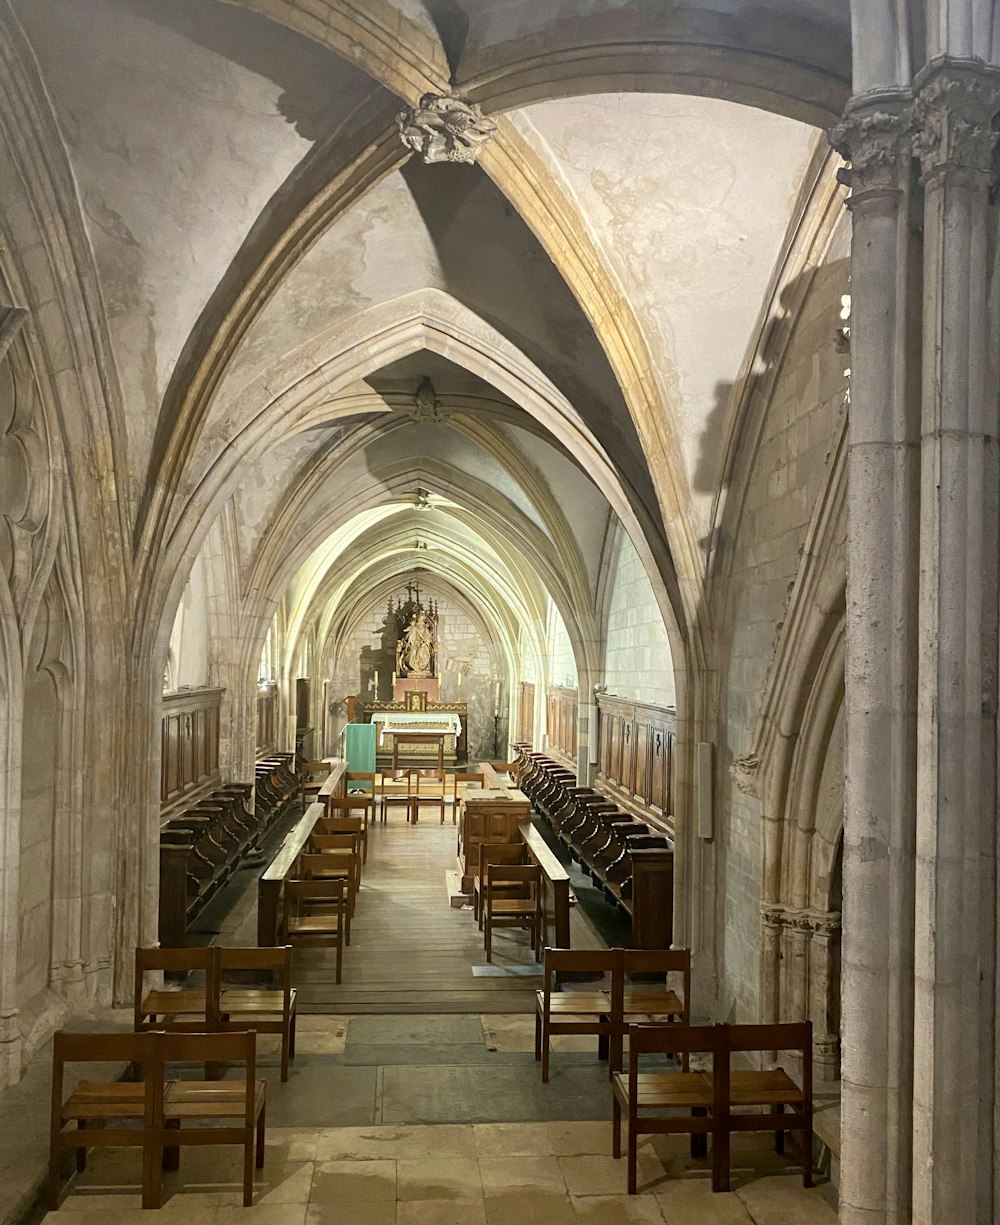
{"x": 359, "y": 749}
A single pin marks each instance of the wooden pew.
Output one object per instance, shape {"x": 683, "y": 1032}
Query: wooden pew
{"x": 555, "y": 886}
{"x": 270, "y": 885}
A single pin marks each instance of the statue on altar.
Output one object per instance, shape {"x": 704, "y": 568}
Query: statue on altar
{"x": 415, "y": 650}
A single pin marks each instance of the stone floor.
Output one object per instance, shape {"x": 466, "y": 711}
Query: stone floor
{"x": 358, "y": 1137}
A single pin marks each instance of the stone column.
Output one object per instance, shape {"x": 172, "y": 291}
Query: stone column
{"x": 956, "y": 897}
{"x": 882, "y": 584}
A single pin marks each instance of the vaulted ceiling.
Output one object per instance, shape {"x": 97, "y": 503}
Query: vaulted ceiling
{"x": 280, "y": 276}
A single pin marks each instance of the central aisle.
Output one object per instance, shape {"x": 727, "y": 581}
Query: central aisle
{"x": 411, "y": 952}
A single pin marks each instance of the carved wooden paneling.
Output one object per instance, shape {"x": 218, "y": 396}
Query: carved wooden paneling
{"x": 526, "y": 713}
{"x": 267, "y": 699}
{"x": 189, "y": 744}
{"x": 635, "y": 756}
{"x": 561, "y": 720}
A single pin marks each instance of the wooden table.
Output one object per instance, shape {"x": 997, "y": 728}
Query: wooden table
{"x": 418, "y": 738}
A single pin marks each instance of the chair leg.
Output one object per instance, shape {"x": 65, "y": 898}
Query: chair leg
{"x": 632, "y": 1161}
{"x": 285, "y": 1043}
{"x": 779, "y": 1136}
{"x": 171, "y": 1159}
{"x": 616, "y": 1126}
{"x": 807, "y": 1153}
{"x": 248, "y": 1157}
{"x": 260, "y": 1139}
{"x": 546, "y": 1044}
{"x": 538, "y": 1035}
{"x": 487, "y": 935}
{"x": 699, "y": 1139}
{"x": 152, "y": 1173}
{"x": 720, "y": 1156}
{"x": 291, "y": 1035}
{"x": 54, "y": 1179}
{"x": 81, "y": 1159}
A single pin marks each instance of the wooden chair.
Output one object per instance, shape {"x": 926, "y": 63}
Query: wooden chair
{"x": 644, "y": 1001}
{"x": 105, "y": 1114}
{"x": 342, "y": 844}
{"x": 353, "y": 806}
{"x": 395, "y": 791}
{"x": 427, "y": 787}
{"x": 362, "y": 782}
{"x": 312, "y": 776}
{"x": 315, "y": 915}
{"x": 187, "y": 1008}
{"x": 786, "y": 1106}
{"x": 191, "y": 1111}
{"x": 495, "y": 853}
{"x": 577, "y": 1012}
{"x": 460, "y": 784}
{"x": 265, "y": 1010}
{"x": 500, "y": 909}
{"x": 330, "y": 866}
{"x": 643, "y": 1096}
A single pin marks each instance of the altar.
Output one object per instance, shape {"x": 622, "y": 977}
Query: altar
{"x": 388, "y": 722}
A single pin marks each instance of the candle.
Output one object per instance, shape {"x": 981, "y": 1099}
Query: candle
{"x": 375, "y": 683}
{"x": 460, "y": 678}
{"x": 496, "y": 699}
{"x": 394, "y": 680}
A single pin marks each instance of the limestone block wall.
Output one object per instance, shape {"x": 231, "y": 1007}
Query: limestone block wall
{"x": 786, "y": 476}
{"x": 637, "y": 654}
{"x": 37, "y": 836}
{"x": 561, "y": 661}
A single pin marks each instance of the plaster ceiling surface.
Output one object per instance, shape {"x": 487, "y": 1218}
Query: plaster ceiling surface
{"x": 181, "y": 120}
{"x": 449, "y": 228}
{"x": 482, "y": 34}
{"x": 584, "y": 506}
{"x": 689, "y": 199}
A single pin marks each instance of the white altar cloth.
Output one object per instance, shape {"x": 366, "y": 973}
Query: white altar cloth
{"x": 417, "y": 721}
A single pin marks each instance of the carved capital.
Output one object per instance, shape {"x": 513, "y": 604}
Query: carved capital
{"x": 875, "y": 139}
{"x": 445, "y": 129}
{"x": 800, "y": 919}
{"x": 954, "y": 113}
{"x": 744, "y": 773}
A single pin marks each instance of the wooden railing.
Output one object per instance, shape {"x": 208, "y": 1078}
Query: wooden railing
{"x": 635, "y": 757}
{"x": 526, "y": 712}
{"x": 189, "y": 745}
{"x": 561, "y": 721}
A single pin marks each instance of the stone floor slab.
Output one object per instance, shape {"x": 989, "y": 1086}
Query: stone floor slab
{"x": 394, "y": 1031}
{"x": 441, "y": 1212}
{"x": 617, "y": 1210}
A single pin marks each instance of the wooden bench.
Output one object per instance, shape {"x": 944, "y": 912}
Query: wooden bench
{"x": 718, "y": 1102}
{"x": 219, "y": 1005}
{"x": 632, "y": 863}
{"x": 154, "y": 1113}
{"x": 272, "y": 880}
{"x": 578, "y": 1012}
{"x": 554, "y": 883}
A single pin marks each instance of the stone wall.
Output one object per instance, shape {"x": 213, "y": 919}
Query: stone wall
{"x": 561, "y": 661}
{"x": 787, "y": 475}
{"x": 637, "y": 655}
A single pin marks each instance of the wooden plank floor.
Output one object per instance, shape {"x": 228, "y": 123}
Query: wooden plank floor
{"x": 411, "y": 952}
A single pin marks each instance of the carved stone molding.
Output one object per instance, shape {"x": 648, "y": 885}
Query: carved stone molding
{"x": 744, "y": 772}
{"x": 875, "y": 139}
{"x": 802, "y": 919}
{"x": 445, "y": 129}
{"x": 954, "y": 113}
